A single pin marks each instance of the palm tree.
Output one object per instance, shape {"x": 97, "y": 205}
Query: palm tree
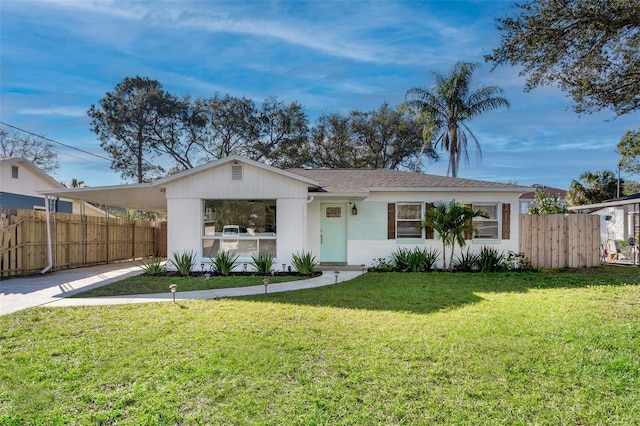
{"x": 450, "y": 103}
{"x": 451, "y": 221}
{"x": 594, "y": 188}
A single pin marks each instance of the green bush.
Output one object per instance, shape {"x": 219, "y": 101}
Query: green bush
{"x": 381, "y": 264}
{"x": 263, "y": 263}
{"x": 431, "y": 257}
{"x": 518, "y": 262}
{"x": 414, "y": 260}
{"x": 490, "y": 260}
{"x": 184, "y": 262}
{"x": 152, "y": 265}
{"x": 304, "y": 262}
{"x": 224, "y": 262}
{"x": 466, "y": 262}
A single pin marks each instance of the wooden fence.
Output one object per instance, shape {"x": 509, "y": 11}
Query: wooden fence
{"x": 560, "y": 241}
{"x": 77, "y": 240}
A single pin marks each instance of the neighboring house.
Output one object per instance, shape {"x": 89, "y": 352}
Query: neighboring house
{"x": 342, "y": 216}
{"x": 619, "y": 227}
{"x": 526, "y": 199}
{"x": 20, "y": 181}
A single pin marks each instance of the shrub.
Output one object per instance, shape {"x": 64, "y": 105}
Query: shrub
{"x": 184, "y": 262}
{"x": 414, "y": 260}
{"x": 431, "y": 257}
{"x": 152, "y": 265}
{"x": 400, "y": 259}
{"x": 490, "y": 260}
{"x": 466, "y": 262}
{"x": 263, "y": 263}
{"x": 304, "y": 262}
{"x": 224, "y": 262}
{"x": 381, "y": 265}
{"x": 518, "y": 262}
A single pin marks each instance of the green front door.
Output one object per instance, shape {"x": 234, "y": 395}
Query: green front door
{"x": 333, "y": 233}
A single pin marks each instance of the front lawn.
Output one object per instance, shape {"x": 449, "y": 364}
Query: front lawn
{"x": 545, "y": 348}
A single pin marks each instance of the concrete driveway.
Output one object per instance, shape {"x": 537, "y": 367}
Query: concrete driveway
{"x": 52, "y": 289}
{"x": 43, "y": 289}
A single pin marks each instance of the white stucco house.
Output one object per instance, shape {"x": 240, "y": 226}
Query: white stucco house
{"x": 344, "y": 217}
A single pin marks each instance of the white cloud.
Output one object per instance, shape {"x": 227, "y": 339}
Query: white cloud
{"x": 55, "y": 111}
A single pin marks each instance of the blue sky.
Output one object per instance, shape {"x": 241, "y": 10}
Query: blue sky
{"x": 57, "y": 58}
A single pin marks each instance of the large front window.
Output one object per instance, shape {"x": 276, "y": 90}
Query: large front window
{"x": 244, "y": 227}
{"x": 486, "y": 228}
{"x": 408, "y": 219}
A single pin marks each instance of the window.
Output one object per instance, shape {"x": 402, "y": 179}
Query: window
{"x": 14, "y": 172}
{"x": 408, "y": 217}
{"x": 486, "y": 229}
{"x": 245, "y": 227}
{"x": 333, "y": 212}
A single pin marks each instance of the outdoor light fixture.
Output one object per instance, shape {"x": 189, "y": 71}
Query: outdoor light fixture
{"x": 244, "y": 267}
{"x": 202, "y": 267}
{"x": 364, "y": 268}
{"x": 335, "y": 274}
{"x": 354, "y": 210}
{"x": 266, "y": 283}
{"x": 173, "y": 288}
{"x": 284, "y": 267}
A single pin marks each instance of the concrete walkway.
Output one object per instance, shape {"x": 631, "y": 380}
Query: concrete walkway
{"x": 53, "y": 289}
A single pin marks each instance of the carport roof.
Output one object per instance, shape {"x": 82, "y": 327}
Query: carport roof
{"x": 141, "y": 196}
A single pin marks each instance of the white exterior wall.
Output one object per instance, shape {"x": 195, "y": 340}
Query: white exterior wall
{"x": 27, "y": 183}
{"x": 290, "y": 218}
{"x": 256, "y": 184}
{"x": 367, "y": 231}
{"x": 184, "y": 226}
{"x": 185, "y": 206}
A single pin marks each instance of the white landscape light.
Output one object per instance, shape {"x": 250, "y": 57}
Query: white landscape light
{"x": 336, "y": 273}
{"x": 266, "y": 283}
{"x": 364, "y": 268}
{"x": 173, "y": 288}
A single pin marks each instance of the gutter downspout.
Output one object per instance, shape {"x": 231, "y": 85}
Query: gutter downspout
{"x": 49, "y": 254}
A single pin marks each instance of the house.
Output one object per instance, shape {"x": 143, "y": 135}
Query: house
{"x": 349, "y": 216}
{"x": 619, "y": 227}
{"x": 527, "y": 199}
{"x": 20, "y": 181}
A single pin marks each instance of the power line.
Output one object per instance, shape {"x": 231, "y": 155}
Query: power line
{"x": 69, "y": 146}
{"x": 56, "y": 142}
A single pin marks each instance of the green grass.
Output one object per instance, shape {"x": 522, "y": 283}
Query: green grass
{"x": 547, "y": 348}
{"x": 153, "y": 284}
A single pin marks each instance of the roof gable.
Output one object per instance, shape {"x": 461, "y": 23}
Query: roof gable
{"x": 35, "y": 169}
{"x": 232, "y": 159}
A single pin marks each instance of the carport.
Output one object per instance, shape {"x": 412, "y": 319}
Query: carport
{"x": 142, "y": 196}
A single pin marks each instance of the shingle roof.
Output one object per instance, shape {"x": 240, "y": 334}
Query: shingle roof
{"x": 548, "y": 190}
{"x": 360, "y": 180}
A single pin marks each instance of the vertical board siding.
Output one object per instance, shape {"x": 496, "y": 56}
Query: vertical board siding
{"x": 76, "y": 240}
{"x": 560, "y": 241}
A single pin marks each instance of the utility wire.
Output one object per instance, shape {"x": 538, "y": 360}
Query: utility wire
{"x": 69, "y": 146}
{"x": 56, "y": 142}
